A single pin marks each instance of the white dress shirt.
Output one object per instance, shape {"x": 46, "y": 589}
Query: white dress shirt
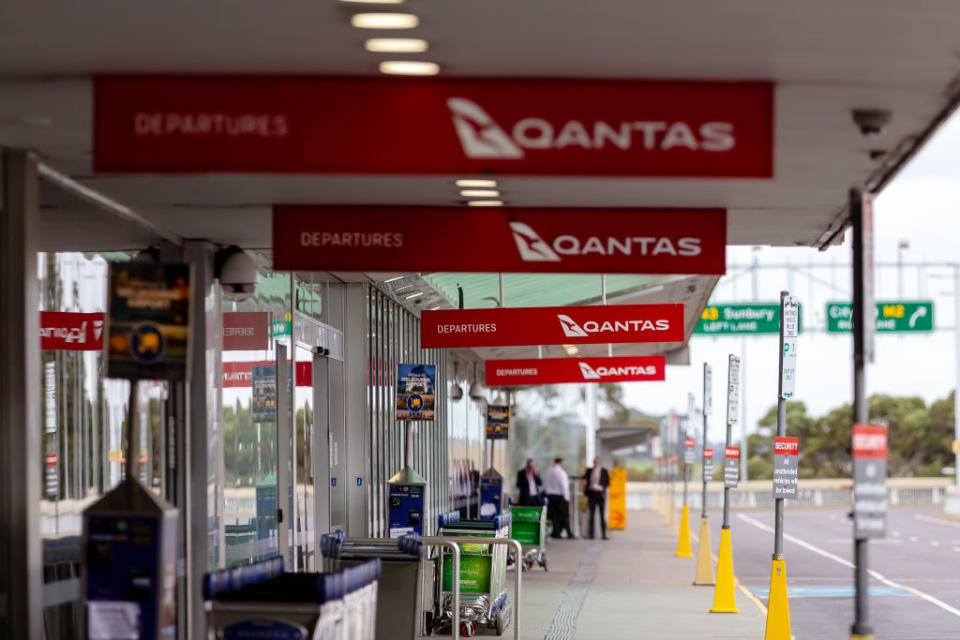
{"x": 557, "y": 482}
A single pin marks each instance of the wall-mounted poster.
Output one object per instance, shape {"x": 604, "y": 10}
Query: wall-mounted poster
{"x": 265, "y": 393}
{"x": 148, "y": 321}
{"x": 498, "y": 421}
{"x": 416, "y": 391}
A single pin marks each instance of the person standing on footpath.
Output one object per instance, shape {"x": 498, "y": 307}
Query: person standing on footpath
{"x": 596, "y": 480}
{"x": 557, "y": 488}
{"x": 528, "y": 484}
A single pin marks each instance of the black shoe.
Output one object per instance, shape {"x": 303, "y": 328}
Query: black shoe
{"x": 605, "y": 538}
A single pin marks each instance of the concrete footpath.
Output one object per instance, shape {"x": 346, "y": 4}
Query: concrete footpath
{"x": 630, "y": 587}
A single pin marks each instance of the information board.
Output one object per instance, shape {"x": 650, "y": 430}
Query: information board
{"x": 689, "y": 451}
{"x": 786, "y": 456}
{"x": 733, "y": 389}
{"x": 707, "y": 464}
{"x": 869, "y": 481}
{"x": 498, "y": 422}
{"x": 416, "y": 391}
{"x": 788, "y": 354}
{"x": 406, "y": 508}
{"x": 751, "y": 318}
{"x": 731, "y": 467}
{"x": 893, "y": 316}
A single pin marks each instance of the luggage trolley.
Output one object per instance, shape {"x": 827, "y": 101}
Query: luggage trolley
{"x": 261, "y": 601}
{"x": 482, "y": 580}
{"x": 405, "y": 587}
{"x": 528, "y": 526}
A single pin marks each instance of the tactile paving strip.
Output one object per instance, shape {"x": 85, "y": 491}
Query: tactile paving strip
{"x": 565, "y": 621}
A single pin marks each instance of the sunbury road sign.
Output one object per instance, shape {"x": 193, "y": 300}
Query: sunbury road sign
{"x": 896, "y": 316}
{"x": 749, "y": 318}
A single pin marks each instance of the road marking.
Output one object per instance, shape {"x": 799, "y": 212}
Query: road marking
{"x": 936, "y": 520}
{"x": 934, "y": 543}
{"x": 826, "y": 554}
{"x": 840, "y": 591}
{"x": 914, "y": 539}
{"x": 736, "y": 582}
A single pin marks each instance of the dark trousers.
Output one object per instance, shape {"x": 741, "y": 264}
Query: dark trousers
{"x": 558, "y": 510}
{"x": 596, "y": 500}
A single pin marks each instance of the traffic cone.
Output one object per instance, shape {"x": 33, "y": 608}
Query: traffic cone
{"x": 704, "y": 566}
{"x": 724, "y": 600}
{"x": 683, "y": 540}
{"x": 778, "y": 606}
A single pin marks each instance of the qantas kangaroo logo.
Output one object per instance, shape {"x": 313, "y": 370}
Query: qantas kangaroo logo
{"x": 97, "y": 329}
{"x": 570, "y": 328}
{"x": 589, "y": 373}
{"x": 480, "y": 136}
{"x": 531, "y": 246}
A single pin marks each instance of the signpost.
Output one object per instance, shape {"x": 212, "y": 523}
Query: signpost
{"x": 869, "y": 481}
{"x": 786, "y": 456}
{"x": 892, "y": 316}
{"x": 724, "y": 597}
{"x": 690, "y": 450}
{"x": 740, "y": 319}
{"x": 704, "y": 574}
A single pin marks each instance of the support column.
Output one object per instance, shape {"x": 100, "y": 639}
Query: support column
{"x": 355, "y": 376}
{"x": 21, "y": 570}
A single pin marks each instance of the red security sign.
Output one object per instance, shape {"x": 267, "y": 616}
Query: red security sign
{"x": 303, "y": 124}
{"x": 51, "y": 459}
{"x": 786, "y": 446}
{"x": 708, "y": 454}
{"x": 246, "y": 331}
{"x": 689, "y": 443}
{"x": 732, "y": 452}
{"x": 508, "y": 373}
{"x": 67, "y": 331}
{"x": 688, "y": 241}
{"x": 520, "y": 326}
{"x": 869, "y": 441}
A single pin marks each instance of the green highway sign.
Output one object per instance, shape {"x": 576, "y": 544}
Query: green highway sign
{"x": 745, "y": 318}
{"x": 892, "y": 317}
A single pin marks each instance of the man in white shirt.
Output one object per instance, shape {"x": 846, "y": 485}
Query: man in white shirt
{"x": 557, "y": 488}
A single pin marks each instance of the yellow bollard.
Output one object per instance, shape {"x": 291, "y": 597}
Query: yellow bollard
{"x": 724, "y": 600}
{"x": 683, "y": 540}
{"x": 704, "y": 565}
{"x": 778, "y": 606}
{"x": 860, "y": 637}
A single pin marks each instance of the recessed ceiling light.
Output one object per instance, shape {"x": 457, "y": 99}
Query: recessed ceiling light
{"x": 384, "y": 20}
{"x": 409, "y": 68}
{"x": 480, "y": 193}
{"x": 483, "y": 184}
{"x": 485, "y": 203}
{"x": 413, "y": 295}
{"x": 396, "y": 45}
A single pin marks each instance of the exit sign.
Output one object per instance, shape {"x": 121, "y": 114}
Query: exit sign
{"x": 892, "y": 317}
{"x": 746, "y": 318}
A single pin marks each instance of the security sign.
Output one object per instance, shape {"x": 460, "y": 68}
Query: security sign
{"x": 731, "y": 467}
{"x": 707, "y": 464}
{"x": 786, "y": 456}
{"x": 689, "y": 450}
{"x": 869, "y": 481}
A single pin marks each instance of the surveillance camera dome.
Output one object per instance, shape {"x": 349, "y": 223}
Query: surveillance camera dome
{"x": 237, "y": 274}
{"x": 871, "y": 121}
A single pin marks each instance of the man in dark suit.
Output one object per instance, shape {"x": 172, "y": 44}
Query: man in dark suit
{"x": 528, "y": 484}
{"x": 595, "y": 483}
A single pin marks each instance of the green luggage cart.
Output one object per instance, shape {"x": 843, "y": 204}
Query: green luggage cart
{"x": 483, "y": 569}
{"x": 528, "y": 526}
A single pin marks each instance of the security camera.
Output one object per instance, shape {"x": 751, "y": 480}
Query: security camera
{"x": 237, "y": 273}
{"x": 871, "y": 121}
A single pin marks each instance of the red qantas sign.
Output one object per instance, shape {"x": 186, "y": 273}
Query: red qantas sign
{"x": 521, "y": 326}
{"x": 66, "y": 331}
{"x": 507, "y": 373}
{"x": 240, "y": 374}
{"x": 246, "y": 331}
{"x": 869, "y": 441}
{"x": 288, "y": 124}
{"x": 688, "y": 241}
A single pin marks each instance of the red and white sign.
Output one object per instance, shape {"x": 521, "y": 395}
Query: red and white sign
{"x": 240, "y": 374}
{"x": 68, "y": 331}
{"x": 246, "y": 331}
{"x": 732, "y": 452}
{"x": 869, "y": 441}
{"x": 51, "y": 459}
{"x": 689, "y": 443}
{"x": 289, "y": 124}
{"x": 520, "y": 326}
{"x": 687, "y": 241}
{"x": 533, "y": 371}
{"x": 786, "y": 446}
{"x": 708, "y": 454}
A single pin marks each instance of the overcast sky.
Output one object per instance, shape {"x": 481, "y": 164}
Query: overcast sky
{"x": 921, "y": 207}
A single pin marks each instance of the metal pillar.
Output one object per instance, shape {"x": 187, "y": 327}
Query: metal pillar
{"x": 781, "y": 433}
{"x": 707, "y": 395}
{"x": 358, "y": 448}
{"x": 956, "y": 363}
{"x": 21, "y": 571}
{"x": 861, "y": 614}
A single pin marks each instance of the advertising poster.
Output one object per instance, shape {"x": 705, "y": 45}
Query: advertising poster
{"x": 416, "y": 391}
{"x": 498, "y": 422}
{"x": 265, "y": 393}
{"x": 148, "y": 321}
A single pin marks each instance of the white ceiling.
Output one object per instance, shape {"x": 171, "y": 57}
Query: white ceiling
{"x": 827, "y": 57}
